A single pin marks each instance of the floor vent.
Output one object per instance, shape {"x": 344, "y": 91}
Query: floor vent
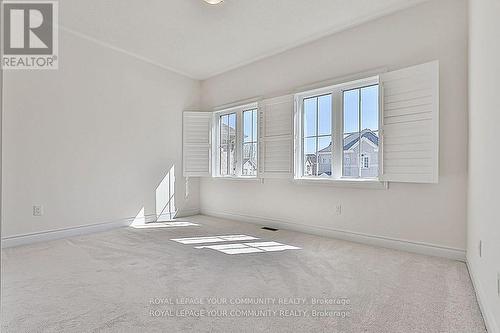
{"x": 269, "y": 228}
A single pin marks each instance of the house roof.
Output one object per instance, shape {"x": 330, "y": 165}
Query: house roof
{"x": 247, "y": 160}
{"x": 311, "y": 158}
{"x": 225, "y": 128}
{"x": 353, "y": 138}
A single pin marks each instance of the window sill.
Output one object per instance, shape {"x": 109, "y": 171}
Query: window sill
{"x": 234, "y": 178}
{"x": 346, "y": 183}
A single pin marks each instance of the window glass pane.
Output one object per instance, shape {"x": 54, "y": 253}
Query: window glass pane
{"x": 232, "y": 159}
{"x": 254, "y": 113}
{"x": 361, "y": 143}
{"x": 310, "y": 112}
{"x": 249, "y": 165}
{"x": 369, "y": 108}
{"x": 227, "y": 159}
{"x": 324, "y": 156}
{"x": 310, "y": 165}
{"x": 232, "y": 144}
{"x": 351, "y": 152}
{"x": 232, "y": 128}
{"x": 351, "y": 111}
{"x": 351, "y": 133}
{"x": 249, "y": 148}
{"x": 369, "y": 133}
{"x": 325, "y": 115}
{"x": 247, "y": 126}
{"x": 224, "y": 123}
{"x": 223, "y": 160}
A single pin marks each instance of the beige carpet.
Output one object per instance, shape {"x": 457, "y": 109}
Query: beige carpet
{"x": 123, "y": 281}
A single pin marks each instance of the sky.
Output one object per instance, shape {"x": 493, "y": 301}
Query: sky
{"x": 250, "y": 126}
{"x": 322, "y": 106}
{"x": 369, "y": 109}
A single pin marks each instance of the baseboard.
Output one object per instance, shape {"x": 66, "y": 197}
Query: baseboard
{"x": 391, "y": 243}
{"x": 489, "y": 318}
{"x": 187, "y": 212}
{"x": 25, "y": 239}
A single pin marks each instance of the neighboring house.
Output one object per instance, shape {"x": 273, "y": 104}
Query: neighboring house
{"x": 249, "y": 162}
{"x": 310, "y": 165}
{"x": 227, "y": 141}
{"x": 249, "y": 167}
{"x": 369, "y": 155}
{"x": 351, "y": 163}
{"x": 321, "y": 164}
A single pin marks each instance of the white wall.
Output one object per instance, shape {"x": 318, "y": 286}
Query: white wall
{"x": 92, "y": 140}
{"x": 484, "y": 158}
{"x": 434, "y": 214}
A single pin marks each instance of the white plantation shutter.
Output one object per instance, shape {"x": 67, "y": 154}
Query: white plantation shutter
{"x": 410, "y": 124}
{"x": 196, "y": 138}
{"x": 276, "y": 137}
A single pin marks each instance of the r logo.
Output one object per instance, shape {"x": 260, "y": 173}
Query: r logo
{"x": 28, "y": 28}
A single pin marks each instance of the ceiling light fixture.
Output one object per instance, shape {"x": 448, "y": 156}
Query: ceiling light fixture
{"x": 213, "y": 2}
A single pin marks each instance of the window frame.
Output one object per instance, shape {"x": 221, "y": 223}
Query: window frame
{"x": 363, "y": 159}
{"x": 337, "y": 126}
{"x": 228, "y": 144}
{"x": 255, "y": 140}
{"x": 317, "y": 136}
{"x": 238, "y": 111}
{"x": 366, "y": 84}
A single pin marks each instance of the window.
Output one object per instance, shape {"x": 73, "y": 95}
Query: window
{"x": 338, "y": 131}
{"x": 227, "y": 140}
{"x": 365, "y": 162}
{"x": 360, "y": 113}
{"x": 237, "y": 142}
{"x": 249, "y": 162}
{"x": 327, "y": 133}
{"x": 317, "y": 135}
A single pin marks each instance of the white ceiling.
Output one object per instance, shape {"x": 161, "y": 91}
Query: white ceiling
{"x": 200, "y": 40}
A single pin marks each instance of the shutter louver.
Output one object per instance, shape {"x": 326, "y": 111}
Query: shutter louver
{"x": 410, "y": 124}
{"x": 196, "y": 136}
{"x": 276, "y": 137}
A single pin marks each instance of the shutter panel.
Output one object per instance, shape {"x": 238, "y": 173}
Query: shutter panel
{"x": 409, "y": 100}
{"x": 197, "y": 148}
{"x": 276, "y": 137}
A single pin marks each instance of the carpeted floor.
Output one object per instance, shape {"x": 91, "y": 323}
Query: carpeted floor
{"x": 124, "y": 281}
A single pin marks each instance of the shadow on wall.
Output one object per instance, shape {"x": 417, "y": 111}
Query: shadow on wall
{"x": 165, "y": 202}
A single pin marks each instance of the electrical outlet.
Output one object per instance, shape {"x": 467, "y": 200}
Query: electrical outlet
{"x": 480, "y": 249}
{"x": 37, "y": 210}
{"x": 338, "y": 209}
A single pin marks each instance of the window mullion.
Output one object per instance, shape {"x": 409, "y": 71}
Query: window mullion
{"x": 301, "y": 137}
{"x": 221, "y": 144}
{"x": 359, "y": 134}
{"x": 317, "y": 135}
{"x": 241, "y": 143}
{"x": 228, "y": 156}
{"x": 339, "y": 133}
{"x": 237, "y": 148}
{"x": 332, "y": 136}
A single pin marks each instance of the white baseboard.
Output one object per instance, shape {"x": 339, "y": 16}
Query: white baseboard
{"x": 489, "y": 318}
{"x": 25, "y": 239}
{"x": 187, "y": 212}
{"x": 391, "y": 243}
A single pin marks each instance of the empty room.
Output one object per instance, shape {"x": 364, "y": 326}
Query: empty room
{"x": 250, "y": 166}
